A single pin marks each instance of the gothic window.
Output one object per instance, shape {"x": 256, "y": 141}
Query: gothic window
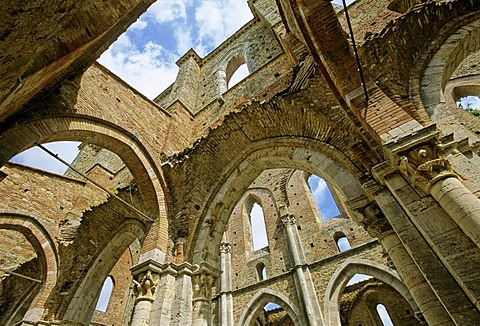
{"x": 261, "y": 272}
{"x": 341, "y": 241}
{"x": 257, "y": 224}
{"x": 384, "y": 316}
{"x": 105, "y": 294}
{"x": 323, "y": 197}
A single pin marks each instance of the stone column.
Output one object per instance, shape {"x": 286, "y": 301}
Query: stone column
{"x": 436, "y": 178}
{"x": 303, "y": 279}
{"x": 226, "y": 300}
{"x": 203, "y": 279}
{"x": 145, "y": 284}
{"x": 373, "y": 220}
{"x": 422, "y": 160}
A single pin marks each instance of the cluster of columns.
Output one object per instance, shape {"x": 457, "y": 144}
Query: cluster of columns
{"x": 429, "y": 223}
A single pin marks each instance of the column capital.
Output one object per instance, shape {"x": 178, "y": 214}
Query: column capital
{"x": 373, "y": 220}
{"x": 204, "y": 278}
{"x": 288, "y": 220}
{"x": 145, "y": 285}
{"x": 225, "y": 247}
{"x": 421, "y": 157}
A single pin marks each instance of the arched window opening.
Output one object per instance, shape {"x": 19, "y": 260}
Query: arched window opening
{"x": 357, "y": 278}
{"x": 342, "y": 242}
{"x": 257, "y": 223}
{"x": 105, "y": 294}
{"x": 238, "y": 75}
{"x": 236, "y": 71}
{"x": 323, "y": 197}
{"x": 261, "y": 272}
{"x": 470, "y": 104}
{"x": 384, "y": 316}
{"x": 37, "y": 158}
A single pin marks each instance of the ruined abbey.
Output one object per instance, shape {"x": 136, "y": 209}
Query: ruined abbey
{"x": 160, "y": 201}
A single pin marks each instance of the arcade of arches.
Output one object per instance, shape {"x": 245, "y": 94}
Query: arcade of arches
{"x": 337, "y": 184}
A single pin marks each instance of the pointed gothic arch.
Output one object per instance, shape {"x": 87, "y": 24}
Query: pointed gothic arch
{"x": 260, "y": 299}
{"x": 346, "y": 271}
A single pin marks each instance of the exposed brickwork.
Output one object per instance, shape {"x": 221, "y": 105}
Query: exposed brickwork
{"x": 183, "y": 171}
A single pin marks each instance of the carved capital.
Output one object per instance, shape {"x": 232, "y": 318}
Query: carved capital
{"x": 430, "y": 172}
{"x": 288, "y": 220}
{"x": 225, "y": 248}
{"x": 203, "y": 280}
{"x": 145, "y": 285}
{"x": 373, "y": 220}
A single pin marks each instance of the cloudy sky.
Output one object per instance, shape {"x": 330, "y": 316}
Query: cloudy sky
{"x": 145, "y": 55}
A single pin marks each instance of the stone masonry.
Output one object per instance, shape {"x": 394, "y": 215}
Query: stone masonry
{"x": 159, "y": 202}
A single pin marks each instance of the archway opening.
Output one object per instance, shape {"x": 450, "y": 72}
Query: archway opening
{"x": 21, "y": 271}
{"x": 240, "y": 74}
{"x": 470, "y": 103}
{"x": 261, "y": 271}
{"x": 342, "y": 241}
{"x": 273, "y": 314}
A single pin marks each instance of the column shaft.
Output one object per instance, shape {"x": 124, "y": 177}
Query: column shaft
{"x": 461, "y": 204}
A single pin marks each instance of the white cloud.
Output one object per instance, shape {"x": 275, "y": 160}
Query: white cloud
{"x": 321, "y": 191}
{"x": 218, "y": 20}
{"x": 149, "y": 70}
{"x": 139, "y": 25}
{"x": 37, "y": 158}
{"x": 147, "y": 62}
{"x": 183, "y": 36}
{"x": 164, "y": 11}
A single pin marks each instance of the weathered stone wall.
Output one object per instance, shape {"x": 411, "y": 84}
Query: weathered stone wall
{"x": 272, "y": 189}
{"x": 359, "y": 305}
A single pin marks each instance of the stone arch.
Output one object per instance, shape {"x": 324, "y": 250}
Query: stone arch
{"x": 82, "y": 306}
{"x": 260, "y": 299}
{"x": 44, "y": 246}
{"x": 459, "y": 87}
{"x": 347, "y": 270}
{"x": 460, "y": 43}
{"x": 267, "y": 154}
{"x": 102, "y": 133}
{"x": 230, "y": 62}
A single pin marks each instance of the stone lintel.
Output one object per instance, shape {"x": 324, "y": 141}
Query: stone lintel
{"x": 161, "y": 269}
{"x": 148, "y": 265}
{"x": 408, "y": 142}
{"x": 359, "y": 202}
{"x": 380, "y": 171}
